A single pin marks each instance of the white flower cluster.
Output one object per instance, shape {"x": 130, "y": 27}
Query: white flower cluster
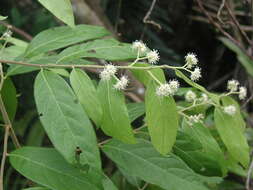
{"x": 195, "y": 119}
{"x": 122, "y": 83}
{"x": 152, "y": 56}
{"x": 192, "y": 61}
{"x": 233, "y": 87}
{"x": 230, "y": 110}
{"x": 108, "y": 72}
{"x": 191, "y": 96}
{"x": 7, "y": 34}
{"x": 167, "y": 89}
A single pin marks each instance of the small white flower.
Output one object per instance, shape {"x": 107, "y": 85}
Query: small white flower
{"x": 139, "y": 46}
{"x": 195, "y": 119}
{"x": 153, "y": 56}
{"x": 108, "y": 72}
{"x": 167, "y": 89}
{"x": 7, "y": 34}
{"x": 191, "y": 60}
{"x": 122, "y": 83}
{"x": 232, "y": 85}
{"x": 242, "y": 93}
{"x": 230, "y": 110}
{"x": 196, "y": 74}
{"x": 204, "y": 98}
{"x": 190, "y": 96}
{"x": 163, "y": 90}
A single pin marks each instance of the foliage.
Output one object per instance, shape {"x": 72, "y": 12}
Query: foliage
{"x": 176, "y": 145}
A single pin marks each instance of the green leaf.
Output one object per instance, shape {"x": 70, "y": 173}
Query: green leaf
{"x": 142, "y": 160}
{"x": 226, "y": 101}
{"x": 115, "y": 121}
{"x": 135, "y": 110}
{"x": 143, "y": 75}
{"x": 108, "y": 49}
{"x": 48, "y": 168}
{"x": 9, "y": 97}
{"x": 86, "y": 94}
{"x": 64, "y": 120}
{"x": 108, "y": 184}
{"x": 64, "y": 13}
{"x": 245, "y": 60}
{"x": 232, "y": 136}
{"x": 36, "y": 135}
{"x": 63, "y": 36}
{"x": 162, "y": 119}
{"x": 3, "y": 17}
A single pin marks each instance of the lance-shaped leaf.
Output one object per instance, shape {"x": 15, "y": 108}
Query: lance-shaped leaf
{"x": 65, "y": 13}
{"x": 63, "y": 36}
{"x": 162, "y": 119}
{"x": 64, "y": 120}
{"x": 232, "y": 136}
{"x": 142, "y": 160}
{"x": 48, "y": 168}
{"x": 3, "y": 17}
{"x": 86, "y": 94}
{"x": 115, "y": 121}
{"x": 108, "y": 49}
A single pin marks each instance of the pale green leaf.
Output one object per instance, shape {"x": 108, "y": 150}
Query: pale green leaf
{"x": 162, "y": 119}
{"x": 36, "y": 188}
{"x": 108, "y": 49}
{"x": 142, "y": 160}
{"x": 86, "y": 94}
{"x": 64, "y": 120}
{"x": 48, "y": 168}
{"x": 62, "y": 9}
{"x": 63, "y": 36}
{"x": 115, "y": 120}
{"x": 232, "y": 136}
{"x": 62, "y": 72}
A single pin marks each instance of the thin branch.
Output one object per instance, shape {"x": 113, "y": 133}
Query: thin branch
{"x": 87, "y": 66}
{"x": 219, "y": 11}
{"x": 146, "y": 19}
{"x": 220, "y": 28}
{"x": 249, "y": 176}
{"x": 8, "y": 123}
{"x": 17, "y": 30}
{"x": 237, "y": 24}
{"x": 5, "y": 144}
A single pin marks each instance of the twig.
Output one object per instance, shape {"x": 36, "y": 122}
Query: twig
{"x": 249, "y": 176}
{"x": 8, "y": 123}
{"x": 6, "y": 135}
{"x": 219, "y": 11}
{"x": 146, "y": 19}
{"x": 144, "y": 186}
{"x": 237, "y": 24}
{"x": 17, "y": 30}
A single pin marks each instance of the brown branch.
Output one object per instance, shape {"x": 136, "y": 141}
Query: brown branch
{"x": 5, "y": 144}
{"x": 146, "y": 19}
{"x": 17, "y": 30}
{"x": 221, "y": 29}
{"x": 249, "y": 176}
{"x": 237, "y": 24}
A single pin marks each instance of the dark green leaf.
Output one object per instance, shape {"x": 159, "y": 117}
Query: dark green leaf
{"x": 63, "y": 13}
{"x": 162, "y": 119}
{"x": 64, "y": 120}
{"x": 86, "y": 94}
{"x": 63, "y": 36}
{"x": 115, "y": 121}
{"x": 48, "y": 168}
{"x": 141, "y": 160}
